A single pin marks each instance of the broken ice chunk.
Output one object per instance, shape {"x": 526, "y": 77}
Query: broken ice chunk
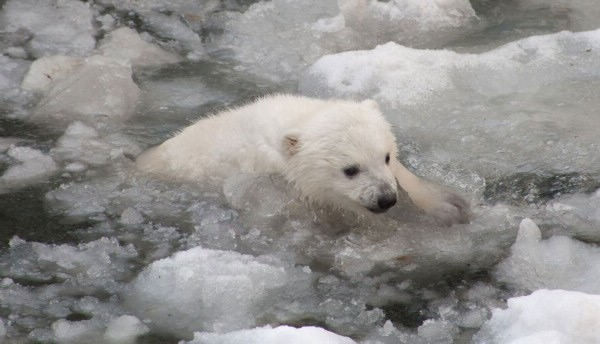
{"x": 545, "y": 316}
{"x": 270, "y": 335}
{"x": 213, "y": 290}
{"x": 126, "y": 45}
{"x": 33, "y": 166}
{"x": 558, "y": 262}
{"x": 58, "y": 27}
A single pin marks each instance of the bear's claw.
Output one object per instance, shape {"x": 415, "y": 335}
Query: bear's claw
{"x": 450, "y": 209}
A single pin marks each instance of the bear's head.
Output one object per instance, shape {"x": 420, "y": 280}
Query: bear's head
{"x": 342, "y": 156}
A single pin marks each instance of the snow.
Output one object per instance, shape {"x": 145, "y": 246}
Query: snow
{"x": 57, "y": 27}
{"x": 270, "y": 335}
{"x": 555, "y": 263}
{"x": 545, "y": 316}
{"x": 203, "y": 289}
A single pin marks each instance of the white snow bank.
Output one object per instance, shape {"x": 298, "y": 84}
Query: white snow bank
{"x": 33, "y": 166}
{"x": 270, "y": 335}
{"x": 125, "y": 45}
{"x": 58, "y": 27}
{"x": 545, "y": 316}
{"x": 203, "y": 289}
{"x": 277, "y": 39}
{"x": 556, "y": 263}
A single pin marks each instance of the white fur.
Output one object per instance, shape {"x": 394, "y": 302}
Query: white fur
{"x": 308, "y": 141}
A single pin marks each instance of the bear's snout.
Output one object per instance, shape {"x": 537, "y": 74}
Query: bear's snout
{"x": 386, "y": 198}
{"x": 386, "y": 201}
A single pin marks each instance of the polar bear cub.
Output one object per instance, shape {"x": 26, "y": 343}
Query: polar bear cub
{"x": 335, "y": 152}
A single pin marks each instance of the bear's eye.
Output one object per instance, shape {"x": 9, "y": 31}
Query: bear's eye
{"x": 387, "y": 158}
{"x": 351, "y": 171}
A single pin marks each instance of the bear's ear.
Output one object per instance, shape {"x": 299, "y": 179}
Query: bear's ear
{"x": 291, "y": 144}
{"x": 370, "y": 103}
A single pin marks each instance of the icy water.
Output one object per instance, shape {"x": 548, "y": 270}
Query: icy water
{"x": 499, "y": 100}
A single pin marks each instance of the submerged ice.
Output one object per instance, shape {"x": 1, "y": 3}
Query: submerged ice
{"x": 506, "y": 119}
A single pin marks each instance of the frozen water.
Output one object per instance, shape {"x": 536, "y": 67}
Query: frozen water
{"x": 278, "y": 39}
{"x": 438, "y": 331}
{"x": 131, "y": 216}
{"x": 94, "y": 264}
{"x": 31, "y": 166}
{"x": 125, "y": 45}
{"x": 85, "y": 145}
{"x": 545, "y": 316}
{"x": 97, "y": 88}
{"x": 121, "y": 258}
{"x": 11, "y": 72}
{"x": 56, "y": 27}
{"x": 505, "y": 107}
{"x": 180, "y": 23}
{"x": 270, "y": 335}
{"x": 577, "y": 213}
{"x": 555, "y": 263}
{"x": 202, "y": 289}
{"x": 579, "y": 14}
{"x": 46, "y": 70}
{"x": 124, "y": 329}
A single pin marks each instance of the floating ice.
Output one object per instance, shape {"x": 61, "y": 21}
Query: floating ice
{"x": 555, "y": 263}
{"x": 202, "y": 289}
{"x": 579, "y": 14}
{"x": 83, "y": 144}
{"x": 11, "y": 72}
{"x": 57, "y": 27}
{"x": 278, "y": 39}
{"x": 125, "y": 45}
{"x": 435, "y": 331}
{"x": 580, "y": 213}
{"x": 124, "y": 330}
{"x": 270, "y": 335}
{"x": 545, "y": 316}
{"x": 505, "y": 107}
{"x": 98, "y": 88}
{"x": 179, "y": 22}
{"x": 130, "y": 216}
{"x": 33, "y": 166}
{"x": 94, "y": 264}
{"x": 47, "y": 70}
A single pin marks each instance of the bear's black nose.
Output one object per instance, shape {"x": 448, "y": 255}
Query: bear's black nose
{"x": 386, "y": 201}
